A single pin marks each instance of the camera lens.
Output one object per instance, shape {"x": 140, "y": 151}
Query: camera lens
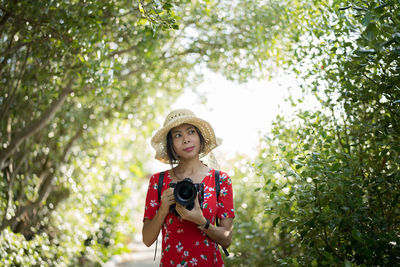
{"x": 185, "y": 192}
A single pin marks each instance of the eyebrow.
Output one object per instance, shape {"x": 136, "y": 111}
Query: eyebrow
{"x": 178, "y": 131}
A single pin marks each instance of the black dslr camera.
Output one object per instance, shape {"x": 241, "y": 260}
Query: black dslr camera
{"x": 185, "y": 193}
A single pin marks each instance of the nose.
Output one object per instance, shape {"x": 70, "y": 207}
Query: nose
{"x": 186, "y": 139}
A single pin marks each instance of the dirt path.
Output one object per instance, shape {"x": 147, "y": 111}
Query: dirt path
{"x": 141, "y": 256}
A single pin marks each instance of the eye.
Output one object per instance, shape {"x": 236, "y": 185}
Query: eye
{"x": 192, "y": 131}
{"x": 177, "y": 135}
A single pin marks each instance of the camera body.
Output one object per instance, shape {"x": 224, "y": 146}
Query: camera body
{"x": 185, "y": 193}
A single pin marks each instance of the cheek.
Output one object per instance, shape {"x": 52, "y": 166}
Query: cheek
{"x": 196, "y": 139}
{"x": 175, "y": 146}
{"x": 199, "y": 144}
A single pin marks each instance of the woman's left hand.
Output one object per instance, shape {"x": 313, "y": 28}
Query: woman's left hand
{"x": 194, "y": 215}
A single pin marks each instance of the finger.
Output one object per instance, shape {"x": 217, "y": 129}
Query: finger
{"x": 168, "y": 195}
{"x": 182, "y": 209}
{"x": 168, "y": 192}
{"x": 180, "y": 206}
{"x": 197, "y": 203}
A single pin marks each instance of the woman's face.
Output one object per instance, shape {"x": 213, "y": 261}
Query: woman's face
{"x": 186, "y": 141}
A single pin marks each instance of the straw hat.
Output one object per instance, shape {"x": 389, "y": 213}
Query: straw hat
{"x": 176, "y": 118}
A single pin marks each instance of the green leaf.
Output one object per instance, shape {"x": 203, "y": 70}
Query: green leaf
{"x": 276, "y": 221}
{"x": 356, "y": 235}
{"x": 367, "y": 19}
{"x": 314, "y": 263}
{"x": 344, "y": 8}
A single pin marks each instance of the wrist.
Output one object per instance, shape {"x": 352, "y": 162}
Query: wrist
{"x": 206, "y": 224}
{"x": 163, "y": 211}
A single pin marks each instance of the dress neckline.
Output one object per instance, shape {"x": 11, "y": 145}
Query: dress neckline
{"x": 210, "y": 171}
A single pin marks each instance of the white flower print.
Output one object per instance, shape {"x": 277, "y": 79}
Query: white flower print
{"x": 166, "y": 237}
{"x": 186, "y": 253}
{"x": 153, "y": 203}
{"x": 179, "y": 247}
{"x": 193, "y": 261}
{"x": 223, "y": 176}
{"x": 209, "y": 188}
{"x": 224, "y": 191}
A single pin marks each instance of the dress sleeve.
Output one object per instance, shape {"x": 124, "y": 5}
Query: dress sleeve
{"x": 152, "y": 203}
{"x": 225, "y": 199}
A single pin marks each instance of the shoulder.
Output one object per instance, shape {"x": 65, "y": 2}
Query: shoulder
{"x": 223, "y": 178}
{"x": 156, "y": 176}
{"x": 222, "y": 174}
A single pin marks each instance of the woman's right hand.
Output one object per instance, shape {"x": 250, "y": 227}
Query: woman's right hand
{"x": 167, "y": 199}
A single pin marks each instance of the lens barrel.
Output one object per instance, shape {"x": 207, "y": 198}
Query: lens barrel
{"x": 185, "y": 192}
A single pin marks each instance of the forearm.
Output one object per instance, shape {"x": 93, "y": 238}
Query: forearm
{"x": 151, "y": 228}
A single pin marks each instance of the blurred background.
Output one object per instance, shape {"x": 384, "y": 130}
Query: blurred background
{"x": 305, "y": 95}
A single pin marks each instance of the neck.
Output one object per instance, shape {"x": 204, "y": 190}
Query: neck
{"x": 189, "y": 167}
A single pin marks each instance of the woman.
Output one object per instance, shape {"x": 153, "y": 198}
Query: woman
{"x": 190, "y": 239}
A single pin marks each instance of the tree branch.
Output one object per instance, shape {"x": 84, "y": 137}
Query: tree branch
{"x": 35, "y": 126}
{"x": 45, "y": 187}
{"x": 325, "y": 237}
{"x": 10, "y": 180}
{"x": 3, "y": 21}
{"x": 123, "y": 51}
{"x": 13, "y": 90}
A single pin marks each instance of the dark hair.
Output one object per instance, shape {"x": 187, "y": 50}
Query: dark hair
{"x": 170, "y": 147}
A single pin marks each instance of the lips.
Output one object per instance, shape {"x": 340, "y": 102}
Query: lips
{"x": 189, "y": 149}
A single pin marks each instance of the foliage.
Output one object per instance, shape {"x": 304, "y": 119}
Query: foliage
{"x": 254, "y": 240}
{"x": 241, "y": 39}
{"x": 332, "y": 174}
{"x": 72, "y": 74}
{"x": 17, "y": 251}
{"x": 82, "y": 81}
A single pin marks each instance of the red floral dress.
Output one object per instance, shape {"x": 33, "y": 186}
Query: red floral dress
{"x": 183, "y": 244}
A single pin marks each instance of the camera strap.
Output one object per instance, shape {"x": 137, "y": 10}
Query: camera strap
{"x": 217, "y": 190}
{"x": 159, "y": 188}
{"x": 160, "y": 185}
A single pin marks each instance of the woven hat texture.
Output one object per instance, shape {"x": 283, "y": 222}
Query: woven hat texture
{"x": 176, "y": 118}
